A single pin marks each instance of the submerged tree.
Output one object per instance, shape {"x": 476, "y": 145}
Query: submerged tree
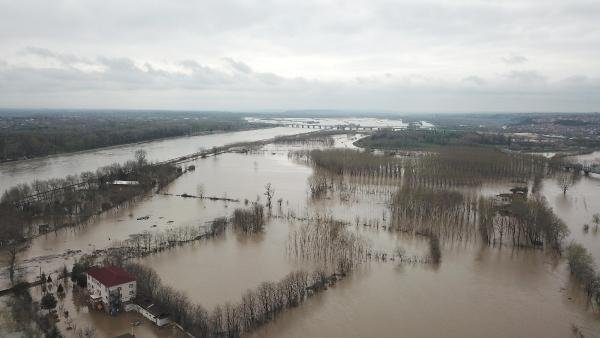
{"x": 48, "y": 302}
{"x": 249, "y": 220}
{"x": 328, "y": 242}
{"x": 12, "y": 251}
{"x": 596, "y": 221}
{"x": 434, "y": 249}
{"x": 581, "y": 264}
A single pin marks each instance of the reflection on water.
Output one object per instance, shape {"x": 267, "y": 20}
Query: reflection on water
{"x": 477, "y": 291}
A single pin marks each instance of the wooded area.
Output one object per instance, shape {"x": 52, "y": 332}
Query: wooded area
{"x": 425, "y": 139}
{"x": 452, "y": 166}
{"x": 34, "y": 134}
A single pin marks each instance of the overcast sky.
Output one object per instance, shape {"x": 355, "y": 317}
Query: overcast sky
{"x": 404, "y": 56}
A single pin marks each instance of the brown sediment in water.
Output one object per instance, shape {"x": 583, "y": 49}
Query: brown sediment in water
{"x": 494, "y": 291}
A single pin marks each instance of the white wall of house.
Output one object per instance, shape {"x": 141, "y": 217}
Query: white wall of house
{"x": 128, "y": 291}
{"x": 94, "y": 287}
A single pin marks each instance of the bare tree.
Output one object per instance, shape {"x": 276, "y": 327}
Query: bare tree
{"x": 269, "y": 193}
{"x": 434, "y": 249}
{"x": 12, "y": 251}
{"x": 565, "y": 181}
{"x": 140, "y": 157}
{"x": 596, "y": 220}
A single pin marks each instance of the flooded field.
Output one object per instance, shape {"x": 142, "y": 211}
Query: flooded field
{"x": 363, "y": 122}
{"x": 477, "y": 290}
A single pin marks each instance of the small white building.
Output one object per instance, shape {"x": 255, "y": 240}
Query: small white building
{"x": 153, "y": 312}
{"x": 125, "y": 182}
{"x": 109, "y": 287}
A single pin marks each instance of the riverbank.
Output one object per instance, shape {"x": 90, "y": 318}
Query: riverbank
{"x": 68, "y": 153}
{"x": 58, "y": 166}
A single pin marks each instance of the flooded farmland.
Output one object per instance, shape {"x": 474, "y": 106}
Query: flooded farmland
{"x": 477, "y": 290}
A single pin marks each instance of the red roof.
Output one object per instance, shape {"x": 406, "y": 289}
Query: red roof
{"x": 111, "y": 275}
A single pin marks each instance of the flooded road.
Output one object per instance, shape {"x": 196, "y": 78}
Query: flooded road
{"x": 59, "y": 166}
{"x": 477, "y": 291}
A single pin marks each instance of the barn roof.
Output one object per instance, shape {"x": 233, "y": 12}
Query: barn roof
{"x": 111, "y": 275}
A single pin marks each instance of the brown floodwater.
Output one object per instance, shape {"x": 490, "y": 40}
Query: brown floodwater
{"x": 476, "y": 291}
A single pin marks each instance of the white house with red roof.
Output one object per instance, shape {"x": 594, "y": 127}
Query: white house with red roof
{"x": 109, "y": 287}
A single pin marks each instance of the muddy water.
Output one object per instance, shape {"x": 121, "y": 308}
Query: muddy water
{"x": 231, "y": 175}
{"x": 12, "y": 173}
{"x": 476, "y": 291}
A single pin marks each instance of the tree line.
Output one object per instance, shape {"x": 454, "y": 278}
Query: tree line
{"x": 74, "y": 199}
{"x": 581, "y": 264}
{"x": 529, "y": 222}
{"x": 314, "y": 139}
{"x": 458, "y": 166}
{"x": 423, "y": 139}
{"x": 451, "y": 166}
{"x": 443, "y": 213}
{"x": 32, "y": 134}
{"x": 452, "y": 216}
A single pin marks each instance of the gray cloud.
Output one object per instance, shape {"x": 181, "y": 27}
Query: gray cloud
{"x": 514, "y": 59}
{"x": 526, "y": 76}
{"x": 199, "y": 86}
{"x": 238, "y": 66}
{"x": 474, "y": 79}
{"x": 303, "y": 54}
